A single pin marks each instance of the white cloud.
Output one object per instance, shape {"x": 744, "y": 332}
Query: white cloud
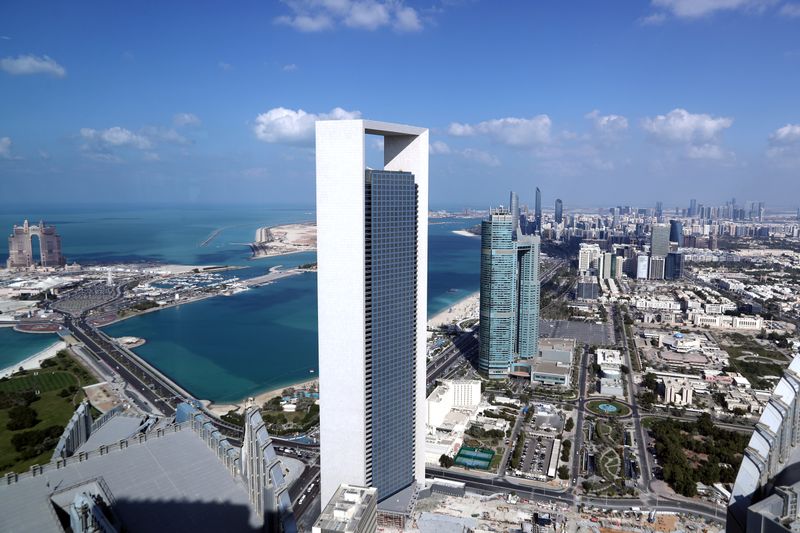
{"x": 164, "y": 134}
{"x": 185, "y": 119}
{"x": 31, "y": 64}
{"x": 320, "y": 15}
{"x": 480, "y": 156}
{"x": 151, "y": 156}
{"x": 407, "y": 20}
{"x": 790, "y": 10}
{"x": 294, "y": 126}
{"x": 680, "y": 126}
{"x": 785, "y": 142}
{"x": 608, "y": 125}
{"x": 291, "y": 67}
{"x": 653, "y": 19}
{"x": 225, "y": 66}
{"x": 116, "y": 136}
{"x": 472, "y": 154}
{"x": 5, "y": 147}
{"x": 692, "y": 9}
{"x": 439, "y": 148}
{"x": 699, "y": 134}
{"x": 511, "y": 131}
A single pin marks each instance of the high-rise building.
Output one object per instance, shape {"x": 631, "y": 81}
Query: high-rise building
{"x": 588, "y": 254}
{"x": 692, "y": 208}
{"x": 509, "y": 306}
{"x": 657, "y": 265}
{"x": 606, "y": 270}
{"x": 538, "y": 212}
{"x": 372, "y": 247}
{"x": 659, "y": 240}
{"x": 770, "y": 458}
{"x": 659, "y": 210}
{"x": 262, "y": 472}
{"x": 673, "y": 266}
{"x": 676, "y": 232}
{"x": 642, "y": 266}
{"x": 20, "y": 246}
{"x": 559, "y": 215}
{"x": 513, "y": 206}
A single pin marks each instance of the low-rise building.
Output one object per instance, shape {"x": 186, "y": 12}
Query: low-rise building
{"x": 352, "y": 509}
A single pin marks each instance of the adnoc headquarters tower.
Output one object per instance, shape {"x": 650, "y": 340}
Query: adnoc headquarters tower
{"x": 372, "y": 292}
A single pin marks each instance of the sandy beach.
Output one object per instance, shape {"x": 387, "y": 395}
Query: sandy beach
{"x": 285, "y": 239}
{"x": 35, "y": 361}
{"x": 467, "y": 307}
{"x": 261, "y": 398}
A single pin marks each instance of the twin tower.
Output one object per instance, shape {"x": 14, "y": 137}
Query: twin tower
{"x": 372, "y": 253}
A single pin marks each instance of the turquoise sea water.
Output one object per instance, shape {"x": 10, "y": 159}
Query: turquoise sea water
{"x": 226, "y": 348}
{"x": 16, "y": 347}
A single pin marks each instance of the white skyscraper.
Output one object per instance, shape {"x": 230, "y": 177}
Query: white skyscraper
{"x": 372, "y": 253}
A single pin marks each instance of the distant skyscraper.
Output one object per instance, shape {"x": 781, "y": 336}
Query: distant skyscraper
{"x": 538, "y": 210}
{"x": 509, "y": 307}
{"x": 20, "y": 246}
{"x": 659, "y": 210}
{"x": 676, "y": 232}
{"x": 513, "y": 206}
{"x": 559, "y": 211}
{"x": 692, "y": 208}
{"x": 659, "y": 240}
{"x": 372, "y": 305}
{"x": 657, "y": 265}
{"x": 673, "y": 266}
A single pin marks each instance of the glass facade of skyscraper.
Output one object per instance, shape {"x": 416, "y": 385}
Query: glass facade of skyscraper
{"x": 498, "y": 294}
{"x": 509, "y": 305}
{"x": 390, "y": 303}
{"x": 527, "y": 332}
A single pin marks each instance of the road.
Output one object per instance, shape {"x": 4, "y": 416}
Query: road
{"x": 645, "y": 469}
{"x": 577, "y": 445}
{"x": 495, "y": 484}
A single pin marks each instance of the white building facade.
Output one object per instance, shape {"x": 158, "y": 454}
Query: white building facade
{"x": 372, "y": 252}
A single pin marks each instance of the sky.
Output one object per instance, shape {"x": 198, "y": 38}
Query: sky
{"x": 598, "y": 103}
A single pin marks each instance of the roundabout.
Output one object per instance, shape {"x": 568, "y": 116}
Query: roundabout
{"x": 610, "y": 408}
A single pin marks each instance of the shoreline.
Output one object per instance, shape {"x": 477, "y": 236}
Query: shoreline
{"x": 34, "y": 361}
{"x": 457, "y": 311}
{"x": 464, "y": 233}
{"x": 259, "y": 398}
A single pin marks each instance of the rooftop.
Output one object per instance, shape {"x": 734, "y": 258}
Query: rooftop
{"x": 173, "y": 482}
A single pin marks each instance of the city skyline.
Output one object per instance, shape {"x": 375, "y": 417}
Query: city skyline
{"x": 162, "y": 111}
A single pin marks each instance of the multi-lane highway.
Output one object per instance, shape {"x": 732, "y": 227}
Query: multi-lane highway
{"x": 577, "y": 446}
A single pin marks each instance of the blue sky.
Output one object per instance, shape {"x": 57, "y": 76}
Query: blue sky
{"x": 596, "y": 102}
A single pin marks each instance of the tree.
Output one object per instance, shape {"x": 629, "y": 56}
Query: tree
{"x": 445, "y": 461}
{"x": 650, "y": 381}
{"x": 569, "y": 425}
{"x": 563, "y": 472}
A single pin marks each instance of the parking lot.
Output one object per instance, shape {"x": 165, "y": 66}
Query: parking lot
{"x": 544, "y": 426}
{"x": 584, "y": 332}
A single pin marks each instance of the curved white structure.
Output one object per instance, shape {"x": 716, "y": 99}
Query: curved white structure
{"x": 770, "y": 450}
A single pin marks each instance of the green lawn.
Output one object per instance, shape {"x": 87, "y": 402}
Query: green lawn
{"x": 44, "y": 381}
{"x": 51, "y": 409}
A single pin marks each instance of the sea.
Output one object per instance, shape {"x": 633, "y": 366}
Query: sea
{"x": 224, "y": 348}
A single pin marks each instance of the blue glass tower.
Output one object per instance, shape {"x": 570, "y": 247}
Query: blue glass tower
{"x": 498, "y": 294}
{"x": 509, "y": 305}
